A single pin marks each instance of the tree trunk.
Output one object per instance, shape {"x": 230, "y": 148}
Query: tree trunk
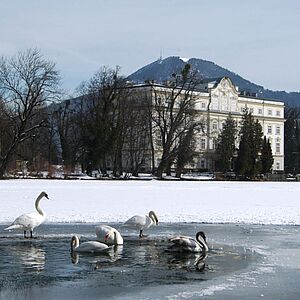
{"x": 2, "y": 170}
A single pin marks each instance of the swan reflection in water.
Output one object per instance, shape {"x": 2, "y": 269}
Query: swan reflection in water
{"x": 187, "y": 260}
{"x": 29, "y": 255}
{"x": 98, "y": 259}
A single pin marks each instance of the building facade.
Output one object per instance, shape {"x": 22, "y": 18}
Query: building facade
{"x": 214, "y": 100}
{"x": 219, "y": 97}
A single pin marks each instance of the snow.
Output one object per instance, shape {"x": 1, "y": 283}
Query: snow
{"x": 99, "y": 201}
{"x": 184, "y": 59}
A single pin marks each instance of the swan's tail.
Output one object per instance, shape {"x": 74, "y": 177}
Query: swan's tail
{"x": 13, "y": 227}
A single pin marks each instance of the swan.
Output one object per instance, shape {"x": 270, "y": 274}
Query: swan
{"x": 142, "y": 222}
{"x": 87, "y": 247}
{"x": 108, "y": 235}
{"x": 189, "y": 244}
{"x": 30, "y": 221}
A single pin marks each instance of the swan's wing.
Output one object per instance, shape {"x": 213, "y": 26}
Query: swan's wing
{"x": 92, "y": 246}
{"x": 185, "y": 243}
{"x": 29, "y": 221}
{"x": 137, "y": 222}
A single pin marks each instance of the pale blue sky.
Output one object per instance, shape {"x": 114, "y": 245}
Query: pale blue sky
{"x": 258, "y": 39}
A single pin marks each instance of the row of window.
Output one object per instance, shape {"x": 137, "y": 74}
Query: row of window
{"x": 269, "y": 128}
{"x": 277, "y": 130}
{"x": 203, "y": 164}
{"x": 203, "y": 145}
{"x": 260, "y": 111}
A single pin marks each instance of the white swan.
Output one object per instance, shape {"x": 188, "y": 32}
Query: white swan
{"x": 189, "y": 244}
{"x": 30, "y": 221}
{"x": 108, "y": 235}
{"x": 87, "y": 247}
{"x": 142, "y": 222}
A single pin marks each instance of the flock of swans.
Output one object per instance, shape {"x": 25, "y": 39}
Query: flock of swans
{"x": 108, "y": 236}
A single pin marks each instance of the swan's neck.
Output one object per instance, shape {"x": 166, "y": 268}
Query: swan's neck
{"x": 152, "y": 217}
{"x": 152, "y": 220}
{"x": 37, "y": 205}
{"x": 202, "y": 242}
{"x": 74, "y": 242}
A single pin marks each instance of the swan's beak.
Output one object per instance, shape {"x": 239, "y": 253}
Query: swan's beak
{"x": 47, "y": 196}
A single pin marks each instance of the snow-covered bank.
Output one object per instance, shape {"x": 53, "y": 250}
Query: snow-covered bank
{"x": 178, "y": 201}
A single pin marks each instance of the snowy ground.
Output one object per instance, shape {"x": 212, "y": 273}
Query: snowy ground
{"x": 173, "y": 201}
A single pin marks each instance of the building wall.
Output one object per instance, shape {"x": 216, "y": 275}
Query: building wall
{"x": 224, "y": 98}
{"x": 213, "y": 104}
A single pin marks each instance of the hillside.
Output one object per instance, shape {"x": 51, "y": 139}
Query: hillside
{"x": 161, "y": 70}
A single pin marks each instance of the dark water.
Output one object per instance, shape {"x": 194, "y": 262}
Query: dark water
{"x": 140, "y": 269}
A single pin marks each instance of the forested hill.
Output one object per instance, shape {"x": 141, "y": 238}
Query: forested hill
{"x": 161, "y": 70}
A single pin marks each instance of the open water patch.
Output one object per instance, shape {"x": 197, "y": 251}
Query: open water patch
{"x": 45, "y": 267}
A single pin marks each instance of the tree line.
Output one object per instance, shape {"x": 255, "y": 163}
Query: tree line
{"x": 110, "y": 125}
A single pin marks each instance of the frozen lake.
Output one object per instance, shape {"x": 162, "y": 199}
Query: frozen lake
{"x": 244, "y": 262}
{"x": 252, "y": 230}
{"x": 115, "y": 201}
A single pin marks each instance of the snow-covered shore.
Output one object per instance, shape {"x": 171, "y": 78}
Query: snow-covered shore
{"x": 174, "y": 201}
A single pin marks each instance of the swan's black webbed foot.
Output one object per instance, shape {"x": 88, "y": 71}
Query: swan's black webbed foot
{"x": 142, "y": 235}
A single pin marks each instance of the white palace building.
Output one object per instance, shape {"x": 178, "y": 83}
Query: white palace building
{"x": 219, "y": 97}
{"x": 214, "y": 100}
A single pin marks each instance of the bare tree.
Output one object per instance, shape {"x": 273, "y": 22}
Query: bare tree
{"x": 173, "y": 112}
{"x": 27, "y": 82}
{"x": 102, "y": 125}
{"x": 137, "y": 134}
{"x": 65, "y": 122}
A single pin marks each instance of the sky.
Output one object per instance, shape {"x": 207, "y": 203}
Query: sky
{"x": 258, "y": 39}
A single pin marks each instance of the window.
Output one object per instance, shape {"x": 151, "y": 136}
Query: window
{"x": 277, "y": 130}
{"x": 202, "y": 164}
{"x": 270, "y": 112}
{"x": 269, "y": 129}
{"x": 215, "y": 126}
{"x": 278, "y": 113}
{"x": 214, "y": 144}
{"x": 203, "y": 105}
{"x": 251, "y": 110}
{"x": 202, "y": 143}
{"x": 277, "y": 147}
{"x": 260, "y": 111}
{"x": 278, "y": 165}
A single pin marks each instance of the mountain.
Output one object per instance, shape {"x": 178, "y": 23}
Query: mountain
{"x": 161, "y": 70}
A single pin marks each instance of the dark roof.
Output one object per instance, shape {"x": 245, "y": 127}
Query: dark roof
{"x": 208, "y": 80}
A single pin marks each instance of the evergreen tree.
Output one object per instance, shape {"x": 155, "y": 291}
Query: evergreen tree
{"x": 186, "y": 149}
{"x": 225, "y": 148}
{"x": 248, "y": 163}
{"x": 267, "y": 159}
